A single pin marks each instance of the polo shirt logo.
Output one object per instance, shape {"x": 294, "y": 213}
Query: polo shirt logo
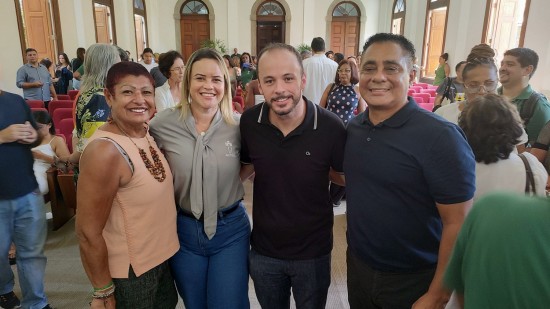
{"x": 308, "y": 153}
{"x": 230, "y": 150}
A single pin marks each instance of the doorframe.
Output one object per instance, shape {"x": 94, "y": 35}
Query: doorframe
{"x": 254, "y": 24}
{"x": 58, "y": 46}
{"x": 432, "y": 6}
{"x": 109, "y": 4}
{"x": 361, "y": 22}
{"x": 264, "y": 19}
{"x": 523, "y": 26}
{"x": 178, "y": 17}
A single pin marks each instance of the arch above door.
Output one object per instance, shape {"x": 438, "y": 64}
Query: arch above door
{"x": 178, "y": 17}
{"x": 254, "y": 23}
{"x": 340, "y": 14}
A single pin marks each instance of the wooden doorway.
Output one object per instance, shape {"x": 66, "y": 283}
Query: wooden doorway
{"x": 434, "y": 36}
{"x": 194, "y": 27}
{"x": 104, "y": 21}
{"x": 270, "y": 24}
{"x": 505, "y": 24}
{"x": 39, "y": 27}
{"x": 269, "y": 32}
{"x": 344, "y": 29}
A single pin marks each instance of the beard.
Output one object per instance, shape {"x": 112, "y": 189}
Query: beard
{"x": 283, "y": 111}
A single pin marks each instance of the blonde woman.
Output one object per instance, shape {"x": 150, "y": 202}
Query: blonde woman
{"x": 201, "y": 141}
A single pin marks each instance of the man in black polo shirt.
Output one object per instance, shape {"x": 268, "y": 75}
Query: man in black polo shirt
{"x": 292, "y": 145}
{"x": 410, "y": 179}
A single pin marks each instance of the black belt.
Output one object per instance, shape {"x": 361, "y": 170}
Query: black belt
{"x": 221, "y": 213}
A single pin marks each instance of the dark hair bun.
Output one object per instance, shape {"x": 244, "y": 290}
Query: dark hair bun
{"x": 481, "y": 51}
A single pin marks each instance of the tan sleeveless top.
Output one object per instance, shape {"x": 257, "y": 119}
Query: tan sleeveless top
{"x": 141, "y": 228}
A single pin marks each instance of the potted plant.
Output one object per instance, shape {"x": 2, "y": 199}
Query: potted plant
{"x": 216, "y": 44}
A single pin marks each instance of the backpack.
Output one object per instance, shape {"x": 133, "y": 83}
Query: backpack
{"x": 528, "y": 108}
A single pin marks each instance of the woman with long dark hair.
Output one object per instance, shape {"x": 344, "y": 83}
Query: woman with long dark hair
{"x": 63, "y": 74}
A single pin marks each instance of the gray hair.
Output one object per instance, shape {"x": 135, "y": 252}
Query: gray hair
{"x": 98, "y": 60}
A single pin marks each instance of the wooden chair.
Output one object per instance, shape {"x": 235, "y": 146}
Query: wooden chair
{"x": 35, "y": 103}
{"x": 62, "y": 197}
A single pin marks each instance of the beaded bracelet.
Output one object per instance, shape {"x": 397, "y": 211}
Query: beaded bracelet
{"x": 108, "y": 285}
{"x": 109, "y": 292}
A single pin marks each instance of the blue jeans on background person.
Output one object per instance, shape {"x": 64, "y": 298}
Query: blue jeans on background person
{"x": 213, "y": 273}
{"x": 23, "y": 221}
{"x": 273, "y": 279}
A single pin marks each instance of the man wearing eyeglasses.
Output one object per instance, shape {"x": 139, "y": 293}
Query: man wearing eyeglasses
{"x": 516, "y": 69}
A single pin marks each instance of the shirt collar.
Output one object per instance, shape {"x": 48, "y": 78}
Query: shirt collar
{"x": 524, "y": 95}
{"x": 310, "y": 120}
{"x": 399, "y": 118}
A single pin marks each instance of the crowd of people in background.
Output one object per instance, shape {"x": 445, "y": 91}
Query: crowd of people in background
{"x": 163, "y": 146}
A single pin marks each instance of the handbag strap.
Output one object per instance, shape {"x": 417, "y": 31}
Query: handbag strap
{"x": 530, "y": 179}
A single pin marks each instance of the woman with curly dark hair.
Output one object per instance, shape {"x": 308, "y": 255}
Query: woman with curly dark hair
{"x": 493, "y": 128}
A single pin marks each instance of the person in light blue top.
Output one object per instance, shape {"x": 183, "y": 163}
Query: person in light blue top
{"x": 35, "y": 80}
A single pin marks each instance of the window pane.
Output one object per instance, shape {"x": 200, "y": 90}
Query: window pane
{"x": 195, "y": 7}
{"x": 271, "y": 8}
{"x": 345, "y": 9}
{"x": 399, "y": 6}
{"x": 138, "y": 4}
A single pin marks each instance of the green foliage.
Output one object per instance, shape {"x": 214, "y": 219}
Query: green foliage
{"x": 303, "y": 47}
{"x": 216, "y": 44}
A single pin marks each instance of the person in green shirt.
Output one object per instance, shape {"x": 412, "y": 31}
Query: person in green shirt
{"x": 516, "y": 69}
{"x": 500, "y": 259}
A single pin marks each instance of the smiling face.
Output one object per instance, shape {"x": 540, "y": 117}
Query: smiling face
{"x": 132, "y": 101}
{"x": 206, "y": 87}
{"x": 385, "y": 76}
{"x": 281, "y": 81}
{"x": 511, "y": 72}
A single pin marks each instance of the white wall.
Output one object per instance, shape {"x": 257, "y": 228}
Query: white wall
{"x": 231, "y": 22}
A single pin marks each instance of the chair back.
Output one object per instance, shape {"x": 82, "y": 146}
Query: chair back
{"x": 55, "y": 104}
{"x": 35, "y": 103}
{"x": 38, "y": 109}
{"x": 63, "y": 97}
{"x": 430, "y": 91}
{"x": 60, "y": 114}
{"x": 427, "y": 106}
{"x": 66, "y": 127}
{"x": 73, "y": 94}
{"x": 418, "y": 99}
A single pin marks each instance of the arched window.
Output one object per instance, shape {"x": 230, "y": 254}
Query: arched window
{"x": 270, "y": 24}
{"x": 104, "y": 19}
{"x": 434, "y": 35}
{"x": 344, "y": 29}
{"x": 140, "y": 22}
{"x": 345, "y": 9}
{"x": 398, "y": 17}
{"x": 194, "y": 26}
{"x": 505, "y": 24}
{"x": 194, "y": 7}
{"x": 271, "y": 8}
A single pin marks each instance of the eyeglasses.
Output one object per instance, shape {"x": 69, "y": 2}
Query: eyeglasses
{"x": 179, "y": 69}
{"x": 344, "y": 71}
{"x": 488, "y": 87}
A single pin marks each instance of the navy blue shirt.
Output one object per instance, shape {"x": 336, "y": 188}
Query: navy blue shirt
{"x": 292, "y": 215}
{"x": 16, "y": 176}
{"x": 396, "y": 171}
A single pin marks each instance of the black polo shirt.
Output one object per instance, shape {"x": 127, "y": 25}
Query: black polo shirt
{"x": 292, "y": 213}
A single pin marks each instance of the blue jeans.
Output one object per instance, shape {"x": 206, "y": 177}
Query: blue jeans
{"x": 273, "y": 278}
{"x": 213, "y": 273}
{"x": 23, "y": 221}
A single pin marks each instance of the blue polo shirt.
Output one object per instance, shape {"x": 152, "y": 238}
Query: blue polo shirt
{"x": 396, "y": 171}
{"x": 29, "y": 74}
{"x": 292, "y": 215}
{"x": 16, "y": 161}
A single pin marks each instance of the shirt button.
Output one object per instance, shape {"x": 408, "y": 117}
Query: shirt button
{"x": 368, "y": 139}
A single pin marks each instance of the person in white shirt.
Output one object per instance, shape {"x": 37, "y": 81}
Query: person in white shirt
{"x": 168, "y": 95}
{"x": 320, "y": 71}
{"x": 147, "y": 59}
{"x": 493, "y": 127}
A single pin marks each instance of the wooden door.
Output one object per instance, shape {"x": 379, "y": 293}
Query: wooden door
{"x": 102, "y": 24}
{"x": 268, "y": 32}
{"x": 139, "y": 23}
{"x": 194, "y": 30}
{"x": 435, "y": 39}
{"x": 37, "y": 17}
{"x": 396, "y": 27}
{"x": 344, "y": 36}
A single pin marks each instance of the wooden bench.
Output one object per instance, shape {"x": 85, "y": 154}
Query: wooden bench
{"x": 62, "y": 197}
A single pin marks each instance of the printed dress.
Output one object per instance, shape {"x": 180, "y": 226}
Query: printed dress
{"x": 343, "y": 101}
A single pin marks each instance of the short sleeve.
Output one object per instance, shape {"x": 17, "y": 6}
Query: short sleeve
{"x": 449, "y": 167}
{"x": 543, "y": 140}
{"x": 540, "y": 117}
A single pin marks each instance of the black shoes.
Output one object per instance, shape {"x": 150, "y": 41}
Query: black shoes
{"x": 9, "y": 301}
